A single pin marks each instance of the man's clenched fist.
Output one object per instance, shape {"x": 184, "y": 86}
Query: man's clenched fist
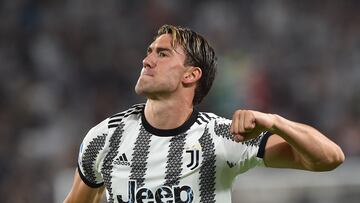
{"x": 247, "y": 124}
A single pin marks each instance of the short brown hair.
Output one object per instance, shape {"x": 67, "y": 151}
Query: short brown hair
{"x": 198, "y": 53}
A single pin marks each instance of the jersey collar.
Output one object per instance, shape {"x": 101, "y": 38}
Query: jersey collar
{"x": 170, "y": 132}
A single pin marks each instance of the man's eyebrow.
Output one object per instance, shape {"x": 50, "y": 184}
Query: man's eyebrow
{"x": 159, "y": 49}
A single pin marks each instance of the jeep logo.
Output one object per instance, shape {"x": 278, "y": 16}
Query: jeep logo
{"x": 164, "y": 194}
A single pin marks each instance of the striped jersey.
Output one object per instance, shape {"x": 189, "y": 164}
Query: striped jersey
{"x": 196, "y": 162}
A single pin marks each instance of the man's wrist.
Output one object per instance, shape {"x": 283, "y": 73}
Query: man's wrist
{"x": 276, "y": 123}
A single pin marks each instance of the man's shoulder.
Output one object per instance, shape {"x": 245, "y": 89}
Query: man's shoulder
{"x": 133, "y": 112}
{"x": 218, "y": 126}
{"x": 211, "y": 118}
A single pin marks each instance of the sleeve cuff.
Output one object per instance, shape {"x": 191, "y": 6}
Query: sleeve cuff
{"x": 262, "y": 145}
{"x": 87, "y": 182}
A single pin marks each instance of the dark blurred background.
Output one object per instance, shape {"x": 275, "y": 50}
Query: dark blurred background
{"x": 66, "y": 65}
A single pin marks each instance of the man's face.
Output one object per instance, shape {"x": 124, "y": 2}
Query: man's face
{"x": 163, "y": 68}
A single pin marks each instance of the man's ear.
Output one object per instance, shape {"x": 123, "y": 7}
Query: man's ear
{"x": 192, "y": 75}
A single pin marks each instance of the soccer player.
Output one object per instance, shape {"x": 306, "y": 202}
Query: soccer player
{"x": 167, "y": 151}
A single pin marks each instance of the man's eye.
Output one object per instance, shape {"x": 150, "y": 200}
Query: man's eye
{"x": 162, "y": 54}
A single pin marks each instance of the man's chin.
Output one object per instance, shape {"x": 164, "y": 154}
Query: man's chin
{"x": 145, "y": 93}
{"x": 139, "y": 90}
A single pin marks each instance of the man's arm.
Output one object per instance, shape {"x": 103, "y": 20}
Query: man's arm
{"x": 293, "y": 145}
{"x": 82, "y": 193}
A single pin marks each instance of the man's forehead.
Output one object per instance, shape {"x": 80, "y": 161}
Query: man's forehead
{"x": 164, "y": 40}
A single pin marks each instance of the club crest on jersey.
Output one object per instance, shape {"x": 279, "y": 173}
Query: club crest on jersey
{"x": 193, "y": 152}
{"x": 176, "y": 194}
{"x": 194, "y": 162}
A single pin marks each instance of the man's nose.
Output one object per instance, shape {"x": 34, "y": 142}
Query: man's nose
{"x": 148, "y": 61}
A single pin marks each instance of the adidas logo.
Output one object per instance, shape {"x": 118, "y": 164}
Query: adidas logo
{"x": 122, "y": 160}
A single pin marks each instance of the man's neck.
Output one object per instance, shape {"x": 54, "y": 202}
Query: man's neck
{"x": 167, "y": 114}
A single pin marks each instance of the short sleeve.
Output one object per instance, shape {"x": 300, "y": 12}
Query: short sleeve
{"x": 89, "y": 155}
{"x": 252, "y": 152}
{"x": 240, "y": 156}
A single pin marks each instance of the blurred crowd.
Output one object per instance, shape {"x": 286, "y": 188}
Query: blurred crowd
{"x": 65, "y": 65}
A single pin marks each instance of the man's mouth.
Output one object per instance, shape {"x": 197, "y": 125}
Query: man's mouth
{"x": 148, "y": 73}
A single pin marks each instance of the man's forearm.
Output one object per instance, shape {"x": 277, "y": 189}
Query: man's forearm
{"x": 81, "y": 193}
{"x": 317, "y": 152}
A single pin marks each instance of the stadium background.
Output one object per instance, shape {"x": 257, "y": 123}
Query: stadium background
{"x": 65, "y": 65}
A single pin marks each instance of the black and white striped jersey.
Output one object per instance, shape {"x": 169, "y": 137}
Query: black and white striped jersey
{"x": 196, "y": 162}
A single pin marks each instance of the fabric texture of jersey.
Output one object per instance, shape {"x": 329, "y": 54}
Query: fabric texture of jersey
{"x": 196, "y": 162}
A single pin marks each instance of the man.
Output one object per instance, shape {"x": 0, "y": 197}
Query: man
{"x": 167, "y": 151}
